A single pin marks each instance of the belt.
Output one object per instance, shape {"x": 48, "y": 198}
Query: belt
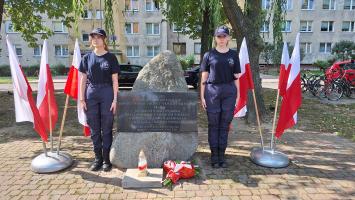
{"x": 100, "y": 85}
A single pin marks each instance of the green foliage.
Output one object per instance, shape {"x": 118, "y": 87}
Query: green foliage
{"x": 26, "y": 16}
{"x": 187, "y": 61}
{"x": 33, "y": 70}
{"x": 344, "y": 50}
{"x": 109, "y": 27}
{"x": 188, "y": 15}
{"x": 324, "y": 64}
{"x": 272, "y": 54}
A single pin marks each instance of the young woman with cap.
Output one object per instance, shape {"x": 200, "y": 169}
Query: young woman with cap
{"x": 220, "y": 69}
{"x": 99, "y": 86}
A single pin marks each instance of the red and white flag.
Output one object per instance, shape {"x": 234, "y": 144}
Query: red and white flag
{"x": 292, "y": 98}
{"x": 25, "y": 107}
{"x": 284, "y": 70}
{"x": 46, "y": 102}
{"x": 72, "y": 86}
{"x": 245, "y": 81}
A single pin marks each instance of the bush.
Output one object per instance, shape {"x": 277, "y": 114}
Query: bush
{"x": 5, "y": 70}
{"x": 33, "y": 70}
{"x": 324, "y": 64}
{"x": 187, "y": 61}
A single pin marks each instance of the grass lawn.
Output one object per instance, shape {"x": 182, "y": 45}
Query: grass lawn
{"x": 313, "y": 116}
{"x": 7, "y": 80}
{"x": 320, "y": 117}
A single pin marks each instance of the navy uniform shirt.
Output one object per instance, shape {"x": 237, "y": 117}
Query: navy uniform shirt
{"x": 99, "y": 69}
{"x": 221, "y": 66}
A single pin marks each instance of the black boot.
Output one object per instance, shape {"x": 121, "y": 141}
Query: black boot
{"x": 97, "y": 164}
{"x": 107, "y": 164}
{"x": 214, "y": 157}
{"x": 221, "y": 158}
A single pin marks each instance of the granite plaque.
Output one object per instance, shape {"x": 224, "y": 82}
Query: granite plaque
{"x": 157, "y": 112}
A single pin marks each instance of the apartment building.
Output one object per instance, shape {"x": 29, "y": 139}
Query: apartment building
{"x": 58, "y": 46}
{"x": 321, "y": 24}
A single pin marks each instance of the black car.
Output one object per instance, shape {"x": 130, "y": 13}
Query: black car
{"x": 129, "y": 74}
{"x": 192, "y": 76}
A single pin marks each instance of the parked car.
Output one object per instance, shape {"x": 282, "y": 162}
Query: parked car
{"x": 129, "y": 74}
{"x": 192, "y": 76}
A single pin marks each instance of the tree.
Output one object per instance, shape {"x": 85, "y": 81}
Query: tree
{"x": 197, "y": 18}
{"x": 246, "y": 22}
{"x": 272, "y": 54}
{"x": 344, "y": 50}
{"x": 26, "y": 16}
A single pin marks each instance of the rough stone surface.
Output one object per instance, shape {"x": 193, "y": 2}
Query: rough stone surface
{"x": 162, "y": 74}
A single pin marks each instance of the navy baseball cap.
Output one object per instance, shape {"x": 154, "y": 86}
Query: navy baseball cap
{"x": 222, "y": 30}
{"x": 98, "y": 31}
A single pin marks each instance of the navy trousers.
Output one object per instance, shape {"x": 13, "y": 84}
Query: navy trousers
{"x": 99, "y": 117}
{"x": 220, "y": 101}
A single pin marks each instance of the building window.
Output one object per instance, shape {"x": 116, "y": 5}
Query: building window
{"x": 99, "y": 14}
{"x": 150, "y": 5}
{"x": 197, "y": 48}
{"x": 307, "y": 5}
{"x": 348, "y": 26}
{"x": 61, "y": 50}
{"x": 153, "y": 28}
{"x": 131, "y": 5}
{"x": 265, "y": 4}
{"x": 306, "y": 26}
{"x": 327, "y": 26}
{"x": 37, "y": 51}
{"x": 153, "y": 51}
{"x": 307, "y": 47}
{"x": 325, "y": 47}
{"x": 132, "y": 51}
{"x": 286, "y": 26}
{"x": 179, "y": 48}
{"x": 59, "y": 27}
{"x": 132, "y": 28}
{"x": 9, "y": 27}
{"x": 85, "y": 37}
{"x": 176, "y": 29}
{"x": 329, "y": 4}
{"x": 287, "y": 5}
{"x": 349, "y": 4}
{"x": 87, "y": 14}
{"x": 18, "y": 49}
{"x": 265, "y": 27}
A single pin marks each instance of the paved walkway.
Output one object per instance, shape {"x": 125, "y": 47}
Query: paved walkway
{"x": 322, "y": 167}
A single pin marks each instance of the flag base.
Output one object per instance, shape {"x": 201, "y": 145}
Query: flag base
{"x": 53, "y": 162}
{"x": 269, "y": 158}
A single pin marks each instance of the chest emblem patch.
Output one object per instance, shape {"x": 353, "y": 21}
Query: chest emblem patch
{"x": 230, "y": 62}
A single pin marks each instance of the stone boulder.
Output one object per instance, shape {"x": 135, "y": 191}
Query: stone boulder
{"x": 162, "y": 74}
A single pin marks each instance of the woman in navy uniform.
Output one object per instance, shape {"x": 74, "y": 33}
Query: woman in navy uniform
{"x": 220, "y": 69}
{"x": 100, "y": 70}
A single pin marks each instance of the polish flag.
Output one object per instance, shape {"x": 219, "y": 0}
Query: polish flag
{"x": 284, "y": 70}
{"x": 245, "y": 81}
{"x": 72, "y": 86}
{"x": 46, "y": 102}
{"x": 25, "y": 107}
{"x": 292, "y": 98}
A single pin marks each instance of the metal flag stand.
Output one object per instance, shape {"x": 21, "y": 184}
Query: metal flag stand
{"x": 49, "y": 162}
{"x": 268, "y": 156}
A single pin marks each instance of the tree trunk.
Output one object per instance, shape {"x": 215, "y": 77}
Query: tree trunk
{"x": 246, "y": 24}
{"x": 1, "y": 12}
{"x": 205, "y": 32}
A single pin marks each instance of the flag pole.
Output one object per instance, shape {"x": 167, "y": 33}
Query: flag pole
{"x": 274, "y": 122}
{"x": 50, "y": 119}
{"x": 258, "y": 119}
{"x": 44, "y": 148}
{"x": 62, "y": 124}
